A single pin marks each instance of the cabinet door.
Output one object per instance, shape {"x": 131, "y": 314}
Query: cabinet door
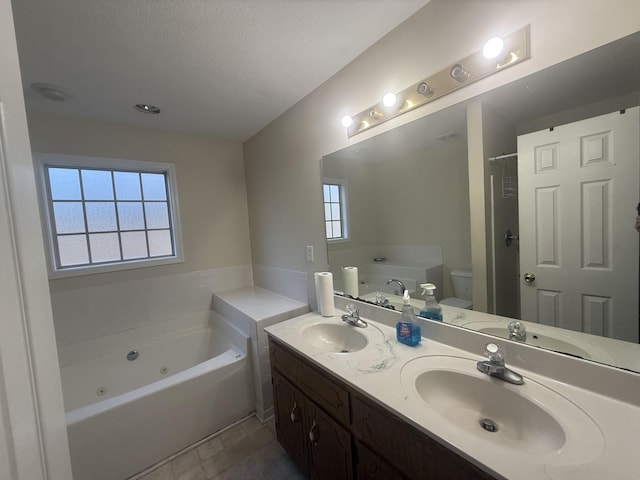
{"x": 289, "y": 408}
{"x": 370, "y": 466}
{"x": 329, "y": 446}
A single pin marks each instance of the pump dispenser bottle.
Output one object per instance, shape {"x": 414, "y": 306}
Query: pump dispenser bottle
{"x": 407, "y": 330}
{"x": 432, "y": 309}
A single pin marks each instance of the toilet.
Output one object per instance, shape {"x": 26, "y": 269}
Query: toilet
{"x": 462, "y": 289}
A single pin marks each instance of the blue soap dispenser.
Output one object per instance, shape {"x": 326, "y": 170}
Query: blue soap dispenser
{"x": 407, "y": 330}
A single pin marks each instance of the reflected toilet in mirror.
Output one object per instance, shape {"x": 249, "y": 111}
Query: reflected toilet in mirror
{"x": 462, "y": 281}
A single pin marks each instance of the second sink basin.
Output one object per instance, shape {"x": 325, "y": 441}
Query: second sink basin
{"x": 334, "y": 338}
{"x": 540, "y": 336}
{"x": 531, "y": 418}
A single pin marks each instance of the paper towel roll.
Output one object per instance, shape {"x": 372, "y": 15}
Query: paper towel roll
{"x": 350, "y": 281}
{"x": 324, "y": 293}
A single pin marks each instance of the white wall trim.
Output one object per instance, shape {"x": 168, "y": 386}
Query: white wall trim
{"x": 33, "y": 439}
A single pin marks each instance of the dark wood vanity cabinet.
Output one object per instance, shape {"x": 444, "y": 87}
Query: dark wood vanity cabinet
{"x": 289, "y": 411}
{"x": 333, "y": 432}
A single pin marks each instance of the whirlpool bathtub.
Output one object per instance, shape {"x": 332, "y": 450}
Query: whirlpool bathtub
{"x": 125, "y": 414}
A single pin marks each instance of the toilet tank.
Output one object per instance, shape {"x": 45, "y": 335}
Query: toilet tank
{"x": 462, "y": 284}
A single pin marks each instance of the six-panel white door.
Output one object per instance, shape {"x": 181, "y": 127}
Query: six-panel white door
{"x": 578, "y": 188}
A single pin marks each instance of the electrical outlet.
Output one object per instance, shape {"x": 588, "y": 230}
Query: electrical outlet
{"x": 309, "y": 253}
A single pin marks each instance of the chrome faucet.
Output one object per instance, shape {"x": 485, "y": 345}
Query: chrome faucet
{"x": 517, "y": 331}
{"x": 400, "y": 284}
{"x": 352, "y": 317}
{"x": 495, "y": 365}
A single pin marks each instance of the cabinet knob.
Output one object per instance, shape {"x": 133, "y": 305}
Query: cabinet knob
{"x": 314, "y": 433}
{"x": 293, "y": 415}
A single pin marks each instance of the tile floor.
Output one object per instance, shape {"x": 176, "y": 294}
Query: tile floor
{"x": 246, "y": 451}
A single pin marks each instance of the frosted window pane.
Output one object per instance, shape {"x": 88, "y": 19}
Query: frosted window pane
{"x": 327, "y": 211}
{"x": 130, "y": 216}
{"x": 101, "y": 216}
{"x": 153, "y": 186}
{"x": 64, "y": 183}
{"x": 329, "y": 231}
{"x": 68, "y": 217}
{"x": 97, "y": 185}
{"x": 104, "y": 247}
{"x": 134, "y": 245}
{"x": 160, "y": 243}
{"x": 325, "y": 192}
{"x": 157, "y": 215}
{"x": 73, "y": 250}
{"x": 335, "y": 211}
{"x": 335, "y": 193}
{"x": 127, "y": 185}
{"x": 337, "y": 229}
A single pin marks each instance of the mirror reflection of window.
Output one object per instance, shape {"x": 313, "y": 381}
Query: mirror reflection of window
{"x": 335, "y": 209}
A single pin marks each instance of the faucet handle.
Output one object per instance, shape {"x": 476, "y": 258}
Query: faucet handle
{"x": 381, "y": 299}
{"x": 494, "y": 353}
{"x": 516, "y": 327}
{"x": 352, "y": 310}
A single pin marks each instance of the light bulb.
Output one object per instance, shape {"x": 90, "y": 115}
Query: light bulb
{"x": 493, "y": 47}
{"x": 389, "y": 100}
{"x": 346, "y": 121}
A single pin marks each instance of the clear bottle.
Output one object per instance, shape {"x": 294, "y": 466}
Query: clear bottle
{"x": 407, "y": 330}
{"x": 432, "y": 309}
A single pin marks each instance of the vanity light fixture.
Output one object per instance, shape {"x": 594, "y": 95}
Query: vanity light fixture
{"x": 493, "y": 47}
{"x": 390, "y": 99}
{"x": 424, "y": 89}
{"x": 375, "y": 114}
{"x": 496, "y": 55}
{"x": 459, "y": 73}
{"x": 146, "y": 108}
{"x": 346, "y": 121}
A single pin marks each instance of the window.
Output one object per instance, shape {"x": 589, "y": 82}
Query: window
{"x": 104, "y": 214}
{"x": 335, "y": 209}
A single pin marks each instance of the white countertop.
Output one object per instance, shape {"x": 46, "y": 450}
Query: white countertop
{"x": 378, "y": 371}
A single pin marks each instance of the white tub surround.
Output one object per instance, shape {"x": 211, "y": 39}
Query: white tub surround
{"x": 596, "y": 405}
{"x": 251, "y": 309}
{"x": 88, "y": 312}
{"x": 125, "y": 415}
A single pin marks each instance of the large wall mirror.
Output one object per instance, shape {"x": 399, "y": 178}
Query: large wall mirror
{"x": 408, "y": 207}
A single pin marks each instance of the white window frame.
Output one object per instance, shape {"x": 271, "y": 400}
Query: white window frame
{"x": 44, "y": 160}
{"x": 346, "y": 231}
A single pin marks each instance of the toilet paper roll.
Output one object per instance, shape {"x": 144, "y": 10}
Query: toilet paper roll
{"x": 324, "y": 293}
{"x": 350, "y": 281}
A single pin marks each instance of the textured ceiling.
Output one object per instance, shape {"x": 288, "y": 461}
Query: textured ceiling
{"x": 224, "y": 68}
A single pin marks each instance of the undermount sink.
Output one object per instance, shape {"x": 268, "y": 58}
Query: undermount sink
{"x": 530, "y": 419}
{"x": 334, "y": 338}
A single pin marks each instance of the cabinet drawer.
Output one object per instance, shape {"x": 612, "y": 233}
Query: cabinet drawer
{"x": 317, "y": 385}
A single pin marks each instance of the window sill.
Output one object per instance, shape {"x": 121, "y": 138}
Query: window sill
{"x": 112, "y": 267}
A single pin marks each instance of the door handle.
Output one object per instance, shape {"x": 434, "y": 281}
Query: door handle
{"x": 293, "y": 416}
{"x": 529, "y": 277}
{"x": 509, "y": 238}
